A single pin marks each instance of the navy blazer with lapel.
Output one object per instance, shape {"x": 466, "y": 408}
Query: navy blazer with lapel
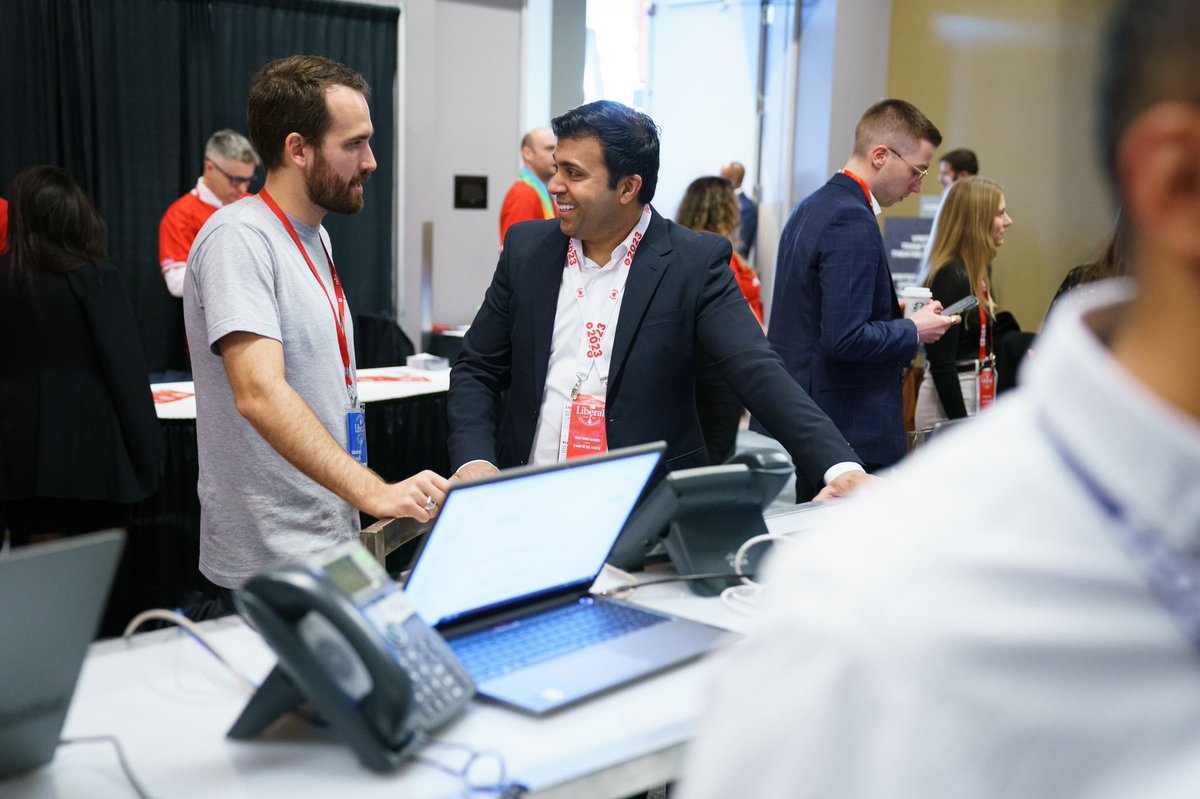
{"x": 680, "y": 294}
{"x": 835, "y": 320}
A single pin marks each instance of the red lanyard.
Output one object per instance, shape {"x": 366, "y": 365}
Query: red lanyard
{"x": 862, "y": 184}
{"x": 982, "y": 334}
{"x": 339, "y": 313}
{"x": 983, "y": 353}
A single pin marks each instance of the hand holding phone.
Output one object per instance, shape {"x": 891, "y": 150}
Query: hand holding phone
{"x": 967, "y": 303}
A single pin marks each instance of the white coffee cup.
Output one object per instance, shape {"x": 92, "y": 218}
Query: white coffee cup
{"x": 915, "y": 298}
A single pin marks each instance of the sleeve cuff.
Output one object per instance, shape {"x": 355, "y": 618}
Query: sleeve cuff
{"x": 838, "y": 469}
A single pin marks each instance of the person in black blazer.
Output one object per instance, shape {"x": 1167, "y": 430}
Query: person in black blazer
{"x": 79, "y": 439}
{"x": 835, "y": 319}
{"x": 507, "y": 390}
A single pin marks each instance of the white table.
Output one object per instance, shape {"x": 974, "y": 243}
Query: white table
{"x": 178, "y": 400}
{"x": 170, "y": 703}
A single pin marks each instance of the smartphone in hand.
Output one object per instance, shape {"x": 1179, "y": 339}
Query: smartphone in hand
{"x": 967, "y": 303}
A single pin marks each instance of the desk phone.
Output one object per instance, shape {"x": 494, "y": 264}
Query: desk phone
{"x": 349, "y": 642}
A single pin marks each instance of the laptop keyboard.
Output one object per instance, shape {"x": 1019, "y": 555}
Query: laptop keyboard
{"x": 491, "y": 653}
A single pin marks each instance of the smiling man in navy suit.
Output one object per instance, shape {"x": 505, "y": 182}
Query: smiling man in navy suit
{"x": 588, "y": 334}
{"x": 835, "y": 319}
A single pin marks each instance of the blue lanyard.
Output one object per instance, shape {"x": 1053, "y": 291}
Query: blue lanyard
{"x": 1173, "y": 577}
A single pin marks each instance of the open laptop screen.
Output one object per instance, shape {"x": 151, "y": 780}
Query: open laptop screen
{"x": 526, "y": 533}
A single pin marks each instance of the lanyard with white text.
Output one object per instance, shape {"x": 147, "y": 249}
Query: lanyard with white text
{"x": 339, "y": 312}
{"x": 983, "y": 331}
{"x": 594, "y": 329}
{"x": 985, "y": 395}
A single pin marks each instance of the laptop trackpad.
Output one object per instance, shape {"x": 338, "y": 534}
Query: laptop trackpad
{"x": 560, "y": 681}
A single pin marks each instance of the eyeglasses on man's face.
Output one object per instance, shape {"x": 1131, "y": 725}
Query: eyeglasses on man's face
{"x": 918, "y": 173}
{"x": 236, "y": 181}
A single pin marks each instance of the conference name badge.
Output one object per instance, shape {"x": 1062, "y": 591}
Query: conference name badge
{"x": 583, "y": 430}
{"x": 356, "y": 434}
{"x": 987, "y": 387}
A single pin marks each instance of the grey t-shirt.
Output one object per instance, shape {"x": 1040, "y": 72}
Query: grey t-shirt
{"x": 246, "y": 274}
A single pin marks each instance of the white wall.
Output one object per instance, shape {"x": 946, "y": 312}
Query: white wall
{"x": 461, "y": 65}
{"x": 838, "y": 67}
{"x": 703, "y": 81}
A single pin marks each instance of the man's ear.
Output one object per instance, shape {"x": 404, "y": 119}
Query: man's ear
{"x": 629, "y": 186}
{"x": 1158, "y": 164}
{"x": 295, "y": 150}
{"x": 877, "y": 155}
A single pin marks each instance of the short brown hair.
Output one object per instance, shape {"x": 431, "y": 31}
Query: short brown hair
{"x": 890, "y": 122}
{"x": 288, "y": 96}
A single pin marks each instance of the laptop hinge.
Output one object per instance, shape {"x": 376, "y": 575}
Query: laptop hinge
{"x": 520, "y": 610}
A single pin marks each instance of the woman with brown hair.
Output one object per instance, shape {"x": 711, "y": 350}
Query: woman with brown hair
{"x": 710, "y": 205}
{"x": 971, "y": 230}
{"x": 79, "y": 440}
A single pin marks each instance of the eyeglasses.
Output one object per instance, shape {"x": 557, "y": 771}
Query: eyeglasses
{"x": 235, "y": 181}
{"x": 920, "y": 173}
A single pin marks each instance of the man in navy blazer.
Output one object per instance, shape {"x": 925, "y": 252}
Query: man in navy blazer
{"x": 835, "y": 319}
{"x": 654, "y": 291}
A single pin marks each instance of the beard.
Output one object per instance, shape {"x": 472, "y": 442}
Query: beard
{"x": 332, "y": 192}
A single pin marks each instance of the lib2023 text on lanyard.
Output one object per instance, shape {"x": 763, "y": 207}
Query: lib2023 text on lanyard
{"x": 356, "y": 420}
{"x": 583, "y": 431}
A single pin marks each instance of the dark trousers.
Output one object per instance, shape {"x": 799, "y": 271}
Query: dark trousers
{"x": 214, "y": 602}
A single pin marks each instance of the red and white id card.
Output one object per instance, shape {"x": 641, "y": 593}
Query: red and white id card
{"x": 583, "y": 431}
{"x": 987, "y": 387}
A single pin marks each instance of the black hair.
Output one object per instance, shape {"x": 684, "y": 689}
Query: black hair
{"x": 1151, "y": 57}
{"x": 629, "y": 139}
{"x": 52, "y": 224}
{"x": 962, "y": 160}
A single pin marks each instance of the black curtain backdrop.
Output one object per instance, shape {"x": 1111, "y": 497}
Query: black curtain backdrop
{"x": 125, "y": 94}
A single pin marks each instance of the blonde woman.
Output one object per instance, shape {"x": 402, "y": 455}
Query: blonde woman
{"x": 973, "y": 222}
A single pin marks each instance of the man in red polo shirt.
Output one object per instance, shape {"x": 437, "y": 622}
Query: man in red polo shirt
{"x": 229, "y": 164}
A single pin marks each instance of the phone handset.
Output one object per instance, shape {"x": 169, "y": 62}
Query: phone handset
{"x": 349, "y": 642}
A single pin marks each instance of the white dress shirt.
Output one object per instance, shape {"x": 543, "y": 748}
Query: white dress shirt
{"x": 568, "y": 342}
{"x": 972, "y": 626}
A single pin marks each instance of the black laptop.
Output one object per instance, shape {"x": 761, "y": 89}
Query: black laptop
{"x": 505, "y": 576}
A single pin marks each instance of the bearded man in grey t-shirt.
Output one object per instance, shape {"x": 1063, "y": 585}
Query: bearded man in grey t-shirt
{"x": 271, "y": 338}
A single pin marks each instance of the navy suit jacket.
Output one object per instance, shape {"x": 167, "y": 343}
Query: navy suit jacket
{"x": 680, "y": 295}
{"x": 835, "y": 320}
{"x": 748, "y": 216}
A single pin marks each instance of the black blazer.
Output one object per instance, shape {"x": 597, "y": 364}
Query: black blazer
{"x": 680, "y": 295}
{"x": 76, "y": 417}
{"x": 960, "y": 343}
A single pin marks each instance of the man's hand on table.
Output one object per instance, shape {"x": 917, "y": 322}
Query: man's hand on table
{"x": 474, "y": 470}
{"x": 844, "y": 484}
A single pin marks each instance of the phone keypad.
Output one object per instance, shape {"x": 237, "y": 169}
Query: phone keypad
{"x": 440, "y": 685}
